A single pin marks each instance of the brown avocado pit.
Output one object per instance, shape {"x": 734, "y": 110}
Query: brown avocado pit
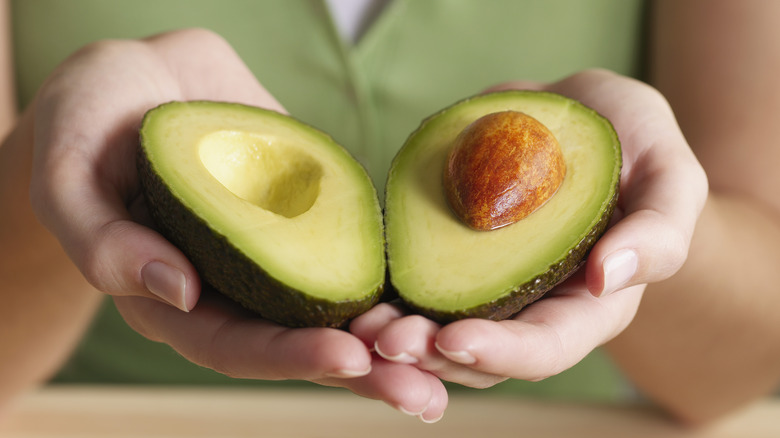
{"x": 501, "y": 168}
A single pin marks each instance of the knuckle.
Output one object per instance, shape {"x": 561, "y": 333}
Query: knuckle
{"x": 596, "y": 72}
{"x": 40, "y": 197}
{"x": 203, "y": 38}
{"x": 102, "y": 51}
{"x": 676, "y": 248}
{"x": 201, "y": 34}
{"x": 664, "y": 248}
{"x": 92, "y": 263}
{"x": 417, "y": 320}
{"x": 104, "y": 264}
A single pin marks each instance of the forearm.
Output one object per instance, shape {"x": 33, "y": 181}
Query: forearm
{"x": 705, "y": 341}
{"x": 46, "y": 303}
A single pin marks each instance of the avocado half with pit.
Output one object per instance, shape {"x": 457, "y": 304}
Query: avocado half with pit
{"x": 272, "y": 212}
{"x": 447, "y": 270}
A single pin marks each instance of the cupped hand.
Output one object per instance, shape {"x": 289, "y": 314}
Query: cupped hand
{"x": 663, "y": 189}
{"x": 219, "y": 335}
{"x": 85, "y": 190}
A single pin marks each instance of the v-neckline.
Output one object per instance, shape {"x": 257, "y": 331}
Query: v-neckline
{"x": 373, "y": 13}
{"x": 352, "y": 57}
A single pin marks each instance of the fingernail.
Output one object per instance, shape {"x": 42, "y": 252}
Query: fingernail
{"x": 619, "y": 267}
{"x": 410, "y": 413}
{"x": 431, "y": 421}
{"x": 461, "y": 357}
{"x": 403, "y": 357}
{"x": 349, "y": 374}
{"x": 166, "y": 282}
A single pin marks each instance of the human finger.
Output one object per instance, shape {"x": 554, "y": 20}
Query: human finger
{"x": 544, "y": 339}
{"x": 219, "y": 335}
{"x": 404, "y": 387}
{"x": 412, "y": 340}
{"x": 84, "y": 177}
{"x": 368, "y": 325}
{"x": 663, "y": 187}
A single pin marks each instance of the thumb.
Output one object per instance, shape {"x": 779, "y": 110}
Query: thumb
{"x": 662, "y": 189}
{"x": 661, "y": 196}
{"x": 124, "y": 258}
{"x": 117, "y": 255}
{"x": 82, "y": 198}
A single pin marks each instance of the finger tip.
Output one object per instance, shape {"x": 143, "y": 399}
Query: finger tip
{"x": 463, "y": 357}
{"x": 167, "y": 283}
{"x": 430, "y": 420}
{"x": 618, "y": 269}
{"x": 410, "y": 412}
{"x": 368, "y": 325}
{"x": 348, "y": 373}
{"x": 401, "y": 358}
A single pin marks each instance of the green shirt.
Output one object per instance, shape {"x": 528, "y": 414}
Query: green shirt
{"x": 418, "y": 57}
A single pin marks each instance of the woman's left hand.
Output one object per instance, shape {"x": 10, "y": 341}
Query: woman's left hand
{"x": 663, "y": 189}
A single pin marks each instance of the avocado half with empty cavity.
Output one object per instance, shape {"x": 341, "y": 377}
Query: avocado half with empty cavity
{"x": 272, "y": 212}
{"x": 447, "y": 270}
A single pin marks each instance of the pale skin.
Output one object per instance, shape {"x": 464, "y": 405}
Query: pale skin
{"x": 728, "y": 109}
{"x": 704, "y": 340}
{"x": 554, "y": 334}
{"x": 83, "y": 188}
{"x": 76, "y": 189}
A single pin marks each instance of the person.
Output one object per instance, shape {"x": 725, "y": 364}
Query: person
{"x": 701, "y": 343}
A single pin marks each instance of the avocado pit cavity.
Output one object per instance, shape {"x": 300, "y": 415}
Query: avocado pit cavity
{"x": 274, "y": 176}
{"x": 501, "y": 168}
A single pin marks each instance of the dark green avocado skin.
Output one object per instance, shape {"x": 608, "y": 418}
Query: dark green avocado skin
{"x": 510, "y": 304}
{"x": 232, "y": 273}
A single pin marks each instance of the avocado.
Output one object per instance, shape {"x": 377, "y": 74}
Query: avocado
{"x": 272, "y": 212}
{"x": 447, "y": 270}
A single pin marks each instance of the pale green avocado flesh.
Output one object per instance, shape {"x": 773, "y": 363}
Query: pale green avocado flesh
{"x": 445, "y": 270}
{"x": 272, "y": 212}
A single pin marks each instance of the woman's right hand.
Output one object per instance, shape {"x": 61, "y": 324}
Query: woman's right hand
{"x": 85, "y": 190}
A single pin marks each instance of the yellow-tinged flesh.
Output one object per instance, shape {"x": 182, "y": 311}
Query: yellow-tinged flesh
{"x": 436, "y": 261}
{"x": 283, "y": 194}
{"x": 259, "y": 169}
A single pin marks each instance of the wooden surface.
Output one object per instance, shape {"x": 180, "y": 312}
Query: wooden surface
{"x": 113, "y": 412}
